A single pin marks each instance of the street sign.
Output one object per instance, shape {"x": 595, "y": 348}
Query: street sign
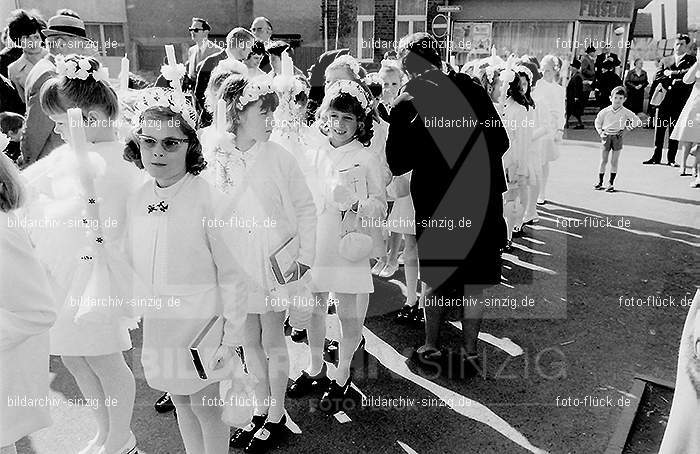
{"x": 439, "y": 25}
{"x": 449, "y": 9}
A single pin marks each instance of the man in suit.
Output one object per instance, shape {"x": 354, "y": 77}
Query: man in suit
{"x": 262, "y": 29}
{"x": 670, "y": 75}
{"x": 588, "y": 73}
{"x": 65, "y": 35}
{"x": 203, "y": 48}
{"x": 239, "y": 41}
{"x": 606, "y": 55}
{"x": 457, "y": 176}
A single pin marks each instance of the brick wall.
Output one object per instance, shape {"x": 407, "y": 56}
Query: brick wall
{"x": 384, "y": 22}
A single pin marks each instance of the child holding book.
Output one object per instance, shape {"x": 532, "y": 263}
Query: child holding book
{"x": 179, "y": 246}
{"x": 611, "y": 123}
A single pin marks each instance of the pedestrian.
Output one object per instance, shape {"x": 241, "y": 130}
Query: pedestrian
{"x": 588, "y": 73}
{"x": 191, "y": 265}
{"x": 549, "y": 97}
{"x": 355, "y": 195}
{"x": 670, "y": 76}
{"x": 25, "y": 31}
{"x": 86, "y": 263}
{"x": 262, "y": 29}
{"x": 28, "y": 312}
{"x": 257, "y": 53}
{"x": 65, "y": 35}
{"x": 575, "y": 95}
{"x": 611, "y": 123}
{"x": 12, "y": 124}
{"x": 687, "y": 129}
{"x": 197, "y": 53}
{"x": 451, "y": 172}
{"x": 636, "y": 82}
{"x": 267, "y": 184}
{"x": 238, "y": 44}
{"x": 605, "y": 82}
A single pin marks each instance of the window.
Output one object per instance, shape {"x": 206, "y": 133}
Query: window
{"x": 365, "y": 30}
{"x": 410, "y": 17}
{"x": 109, "y": 37}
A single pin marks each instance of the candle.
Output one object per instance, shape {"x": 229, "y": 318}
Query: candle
{"x": 77, "y": 131}
{"x": 170, "y": 52}
{"x": 124, "y": 75}
{"x": 287, "y": 65}
{"x": 221, "y": 116}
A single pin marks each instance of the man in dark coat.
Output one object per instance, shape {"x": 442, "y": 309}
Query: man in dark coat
{"x": 446, "y": 130}
{"x": 575, "y": 94}
{"x": 670, "y": 75}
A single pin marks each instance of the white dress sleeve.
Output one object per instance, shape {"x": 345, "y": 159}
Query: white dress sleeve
{"x": 303, "y": 207}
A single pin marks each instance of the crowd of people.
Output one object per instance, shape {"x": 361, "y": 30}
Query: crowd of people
{"x": 250, "y": 199}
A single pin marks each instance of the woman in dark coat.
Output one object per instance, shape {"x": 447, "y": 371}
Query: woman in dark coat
{"x": 636, "y": 82}
{"x": 456, "y": 185}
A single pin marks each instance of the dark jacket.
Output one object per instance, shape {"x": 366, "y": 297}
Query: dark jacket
{"x": 575, "y": 95}
{"x": 200, "y": 88}
{"x": 10, "y": 100}
{"x": 457, "y": 175}
{"x": 605, "y": 84}
{"x": 600, "y": 59}
{"x": 678, "y": 92}
{"x": 8, "y": 56}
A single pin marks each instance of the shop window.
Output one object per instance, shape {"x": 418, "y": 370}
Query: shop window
{"x": 532, "y": 38}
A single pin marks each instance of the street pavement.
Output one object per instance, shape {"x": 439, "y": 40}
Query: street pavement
{"x": 572, "y": 351}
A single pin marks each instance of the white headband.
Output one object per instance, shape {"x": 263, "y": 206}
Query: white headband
{"x": 77, "y": 67}
{"x": 164, "y": 97}
{"x": 353, "y": 89}
{"x": 254, "y": 90}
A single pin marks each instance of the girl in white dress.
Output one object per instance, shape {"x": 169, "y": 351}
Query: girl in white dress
{"x": 83, "y": 248}
{"x": 179, "y": 243}
{"x": 346, "y": 119}
{"x": 521, "y": 162}
{"x": 273, "y": 205}
{"x": 27, "y": 311}
{"x": 687, "y": 130}
{"x": 550, "y": 99}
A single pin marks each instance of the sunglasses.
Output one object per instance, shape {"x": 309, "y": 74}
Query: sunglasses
{"x": 169, "y": 144}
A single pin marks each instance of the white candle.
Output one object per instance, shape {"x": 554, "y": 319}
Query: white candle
{"x": 77, "y": 131}
{"x": 287, "y": 65}
{"x": 170, "y": 52}
{"x": 124, "y": 75}
{"x": 221, "y": 116}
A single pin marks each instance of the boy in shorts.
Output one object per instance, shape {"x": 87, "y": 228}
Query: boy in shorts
{"x": 611, "y": 124}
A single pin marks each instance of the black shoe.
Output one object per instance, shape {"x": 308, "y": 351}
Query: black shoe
{"x": 299, "y": 336}
{"x": 241, "y": 437}
{"x": 650, "y": 161}
{"x": 518, "y": 232}
{"x": 305, "y": 384}
{"x": 337, "y": 398}
{"x": 267, "y": 437}
{"x": 673, "y": 164}
{"x": 164, "y": 404}
{"x": 508, "y": 248}
{"x": 417, "y": 316}
{"x": 404, "y": 314}
{"x": 331, "y": 309}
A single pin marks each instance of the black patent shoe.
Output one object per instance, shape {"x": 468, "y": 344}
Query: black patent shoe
{"x": 337, "y": 398}
{"x": 404, "y": 315}
{"x": 299, "y": 335}
{"x": 306, "y": 384}
{"x": 518, "y": 232}
{"x": 417, "y": 315}
{"x": 241, "y": 437}
{"x": 267, "y": 437}
{"x": 164, "y": 404}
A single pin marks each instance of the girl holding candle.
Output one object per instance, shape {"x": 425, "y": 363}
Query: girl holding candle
{"x": 274, "y": 207}
{"x": 176, "y": 245}
{"x": 84, "y": 258}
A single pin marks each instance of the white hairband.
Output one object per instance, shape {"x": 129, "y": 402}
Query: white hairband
{"x": 76, "y": 67}
{"x": 168, "y": 98}
{"x": 351, "y": 88}
{"x": 254, "y": 90}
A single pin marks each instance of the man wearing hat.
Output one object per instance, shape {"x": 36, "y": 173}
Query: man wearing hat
{"x": 670, "y": 76}
{"x": 64, "y": 35}
{"x": 199, "y": 31}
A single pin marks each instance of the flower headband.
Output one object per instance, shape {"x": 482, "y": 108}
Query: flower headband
{"x": 373, "y": 78}
{"x": 353, "y": 89}
{"x": 80, "y": 68}
{"x": 350, "y": 62}
{"x": 168, "y": 98}
{"x": 254, "y": 90}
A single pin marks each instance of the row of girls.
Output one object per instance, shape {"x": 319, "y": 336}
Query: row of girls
{"x": 531, "y": 103}
{"x": 120, "y": 218}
